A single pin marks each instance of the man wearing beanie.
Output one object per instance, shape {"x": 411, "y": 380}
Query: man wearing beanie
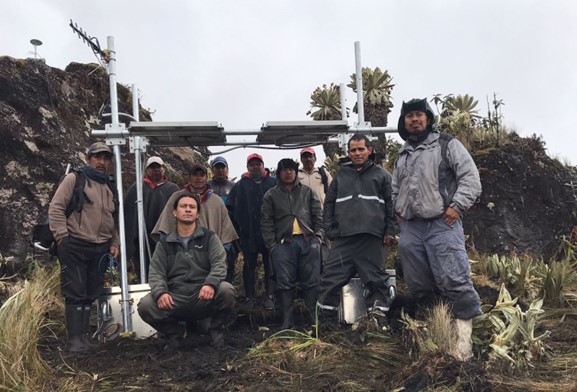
{"x": 244, "y": 205}
{"x": 291, "y": 224}
{"x": 435, "y": 182}
{"x": 156, "y": 189}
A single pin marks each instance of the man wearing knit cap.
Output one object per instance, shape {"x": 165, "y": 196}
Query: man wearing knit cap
{"x": 214, "y": 215}
{"x": 435, "y": 182}
{"x": 85, "y": 236}
{"x": 244, "y": 205}
{"x": 156, "y": 190}
{"x": 292, "y": 228}
{"x": 316, "y": 178}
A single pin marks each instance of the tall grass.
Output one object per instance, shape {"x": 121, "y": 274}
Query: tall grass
{"x": 22, "y": 321}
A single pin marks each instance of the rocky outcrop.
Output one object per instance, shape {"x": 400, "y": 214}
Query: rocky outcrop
{"x": 46, "y": 119}
{"x": 527, "y": 202}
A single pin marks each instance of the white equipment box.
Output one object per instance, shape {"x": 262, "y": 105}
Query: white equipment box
{"x": 110, "y": 320}
{"x": 352, "y": 306}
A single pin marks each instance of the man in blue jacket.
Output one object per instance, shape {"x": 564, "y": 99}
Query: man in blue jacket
{"x": 358, "y": 218}
{"x": 244, "y": 205}
{"x": 434, "y": 183}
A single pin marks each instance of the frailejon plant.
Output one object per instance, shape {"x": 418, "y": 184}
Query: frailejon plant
{"x": 508, "y": 334}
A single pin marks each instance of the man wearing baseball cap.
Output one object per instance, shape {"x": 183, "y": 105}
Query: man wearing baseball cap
{"x": 220, "y": 184}
{"x": 85, "y": 235}
{"x": 156, "y": 190}
{"x": 244, "y": 206}
{"x": 316, "y": 178}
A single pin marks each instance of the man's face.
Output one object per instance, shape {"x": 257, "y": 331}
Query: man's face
{"x": 220, "y": 172}
{"x": 255, "y": 166}
{"x": 198, "y": 179}
{"x": 155, "y": 172}
{"x": 186, "y": 210}
{"x": 287, "y": 176}
{"x": 309, "y": 161}
{"x": 416, "y": 122}
{"x": 359, "y": 152}
{"x": 101, "y": 161}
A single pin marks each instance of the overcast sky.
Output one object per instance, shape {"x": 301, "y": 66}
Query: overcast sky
{"x": 243, "y": 63}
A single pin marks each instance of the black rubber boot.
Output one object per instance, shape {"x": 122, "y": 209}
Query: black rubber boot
{"x": 287, "y": 304}
{"x": 310, "y": 299}
{"x": 216, "y": 329}
{"x": 86, "y": 327}
{"x": 74, "y": 329}
{"x": 328, "y": 317}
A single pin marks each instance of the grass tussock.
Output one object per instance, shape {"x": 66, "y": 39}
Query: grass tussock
{"x": 22, "y": 321}
{"x": 435, "y": 333}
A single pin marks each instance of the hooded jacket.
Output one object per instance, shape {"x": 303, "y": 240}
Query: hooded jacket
{"x": 359, "y": 202}
{"x": 280, "y": 208}
{"x": 244, "y": 207}
{"x": 425, "y": 184}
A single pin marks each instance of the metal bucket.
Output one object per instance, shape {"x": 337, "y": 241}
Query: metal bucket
{"x": 110, "y": 320}
{"x": 352, "y": 306}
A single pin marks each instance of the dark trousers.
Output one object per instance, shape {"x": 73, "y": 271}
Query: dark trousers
{"x": 249, "y": 272}
{"x": 231, "y": 254}
{"x": 297, "y": 261}
{"x": 82, "y": 267}
{"x": 361, "y": 254}
{"x": 187, "y": 307}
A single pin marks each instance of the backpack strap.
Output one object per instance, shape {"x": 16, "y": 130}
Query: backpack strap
{"x": 324, "y": 178}
{"x": 445, "y": 169}
{"x": 78, "y": 194}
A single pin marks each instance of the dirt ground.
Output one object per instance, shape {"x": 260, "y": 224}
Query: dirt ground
{"x": 343, "y": 359}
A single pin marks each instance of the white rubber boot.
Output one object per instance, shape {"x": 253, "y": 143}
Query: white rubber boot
{"x": 464, "y": 349}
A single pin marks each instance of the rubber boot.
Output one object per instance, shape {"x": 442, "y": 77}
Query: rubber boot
{"x": 74, "y": 329}
{"x": 310, "y": 298}
{"x": 216, "y": 329}
{"x": 328, "y": 317}
{"x": 86, "y": 327}
{"x": 464, "y": 349}
{"x": 287, "y": 304}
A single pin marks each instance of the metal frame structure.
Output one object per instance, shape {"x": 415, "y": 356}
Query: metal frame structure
{"x": 282, "y": 134}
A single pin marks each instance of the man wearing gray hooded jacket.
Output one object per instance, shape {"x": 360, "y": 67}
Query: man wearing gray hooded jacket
{"x": 435, "y": 182}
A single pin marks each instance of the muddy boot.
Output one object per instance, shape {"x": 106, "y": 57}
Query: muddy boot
{"x": 216, "y": 329}
{"x": 310, "y": 298}
{"x": 74, "y": 329}
{"x": 287, "y": 304}
{"x": 328, "y": 317}
{"x": 86, "y": 327}
{"x": 464, "y": 349}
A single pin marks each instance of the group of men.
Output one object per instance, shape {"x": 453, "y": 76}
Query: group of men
{"x": 286, "y": 219}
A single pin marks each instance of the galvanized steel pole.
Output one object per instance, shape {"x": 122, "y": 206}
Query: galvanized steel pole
{"x": 359, "y": 81}
{"x": 139, "y": 195}
{"x": 126, "y": 314}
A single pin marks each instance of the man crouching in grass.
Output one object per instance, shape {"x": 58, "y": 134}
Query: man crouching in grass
{"x": 186, "y": 278}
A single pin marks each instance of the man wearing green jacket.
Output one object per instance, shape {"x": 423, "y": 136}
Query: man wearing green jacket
{"x": 186, "y": 278}
{"x": 292, "y": 229}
